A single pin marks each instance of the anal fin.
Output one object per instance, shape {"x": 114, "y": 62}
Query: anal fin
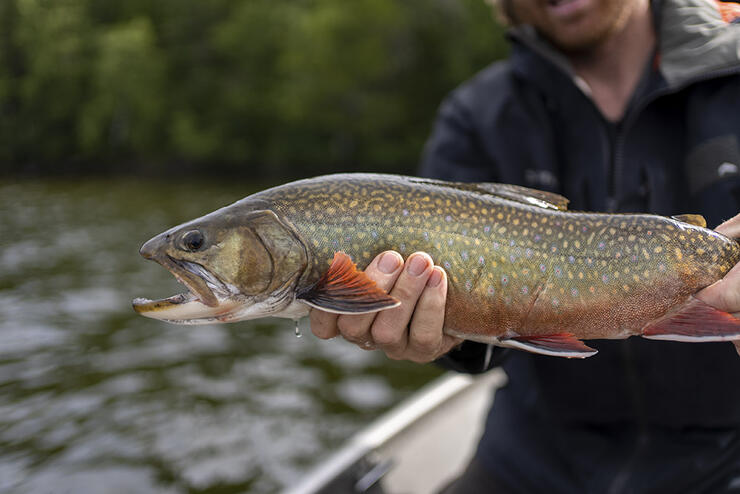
{"x": 556, "y": 345}
{"x": 695, "y": 321}
{"x": 345, "y": 290}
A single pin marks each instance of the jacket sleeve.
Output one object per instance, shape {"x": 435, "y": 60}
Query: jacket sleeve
{"x": 453, "y": 152}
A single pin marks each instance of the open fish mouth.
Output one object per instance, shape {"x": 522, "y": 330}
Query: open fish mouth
{"x": 207, "y": 299}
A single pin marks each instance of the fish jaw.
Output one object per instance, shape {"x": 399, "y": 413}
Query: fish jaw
{"x": 186, "y": 308}
{"x": 209, "y": 300}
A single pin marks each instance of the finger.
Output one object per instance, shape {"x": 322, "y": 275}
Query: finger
{"x": 323, "y": 324}
{"x": 731, "y": 227}
{"x": 390, "y": 329}
{"x": 383, "y": 270}
{"x": 725, "y": 293}
{"x": 425, "y": 330}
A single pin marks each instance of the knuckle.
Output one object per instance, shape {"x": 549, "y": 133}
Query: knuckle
{"x": 351, "y": 328}
{"x": 426, "y": 342}
{"x": 385, "y": 335}
{"x": 322, "y": 333}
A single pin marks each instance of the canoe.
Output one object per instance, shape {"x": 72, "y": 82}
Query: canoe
{"x": 419, "y": 446}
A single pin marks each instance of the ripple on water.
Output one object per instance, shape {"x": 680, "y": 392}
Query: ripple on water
{"x": 95, "y": 397}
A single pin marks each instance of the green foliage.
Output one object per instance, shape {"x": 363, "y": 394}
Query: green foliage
{"x": 263, "y": 87}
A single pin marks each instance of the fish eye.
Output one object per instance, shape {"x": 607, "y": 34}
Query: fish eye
{"x": 193, "y": 240}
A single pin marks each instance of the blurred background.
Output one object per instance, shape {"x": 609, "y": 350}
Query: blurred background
{"x": 121, "y": 119}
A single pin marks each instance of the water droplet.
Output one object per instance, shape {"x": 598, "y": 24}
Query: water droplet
{"x": 297, "y": 330}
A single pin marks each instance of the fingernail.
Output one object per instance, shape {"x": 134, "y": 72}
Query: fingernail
{"x": 435, "y": 279}
{"x": 417, "y": 265}
{"x": 388, "y": 263}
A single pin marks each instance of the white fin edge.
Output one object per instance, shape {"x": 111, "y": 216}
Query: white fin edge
{"x": 520, "y": 345}
{"x": 341, "y": 312}
{"x": 693, "y": 339}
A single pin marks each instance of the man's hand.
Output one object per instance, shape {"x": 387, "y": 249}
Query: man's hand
{"x": 411, "y": 331}
{"x": 725, "y": 293}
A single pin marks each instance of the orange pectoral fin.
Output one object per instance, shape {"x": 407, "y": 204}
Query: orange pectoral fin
{"x": 346, "y": 290}
{"x": 555, "y": 345}
{"x": 695, "y": 321}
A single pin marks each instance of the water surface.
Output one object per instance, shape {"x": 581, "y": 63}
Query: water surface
{"x": 95, "y": 399}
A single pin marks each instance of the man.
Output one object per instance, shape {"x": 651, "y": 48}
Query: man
{"x": 621, "y": 106}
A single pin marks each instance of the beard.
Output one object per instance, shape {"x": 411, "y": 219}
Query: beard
{"x": 581, "y": 30}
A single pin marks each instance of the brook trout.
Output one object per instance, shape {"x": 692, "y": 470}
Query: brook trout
{"x": 523, "y": 271}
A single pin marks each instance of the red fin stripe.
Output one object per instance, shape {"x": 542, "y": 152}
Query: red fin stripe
{"x": 566, "y": 342}
{"x": 729, "y": 11}
{"x": 695, "y": 321}
{"x": 344, "y": 289}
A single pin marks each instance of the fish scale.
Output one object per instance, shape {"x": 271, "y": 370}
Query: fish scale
{"x": 519, "y": 265}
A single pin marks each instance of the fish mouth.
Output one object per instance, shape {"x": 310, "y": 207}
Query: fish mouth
{"x": 207, "y": 297}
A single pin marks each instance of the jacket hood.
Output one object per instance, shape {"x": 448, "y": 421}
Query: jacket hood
{"x": 697, "y": 38}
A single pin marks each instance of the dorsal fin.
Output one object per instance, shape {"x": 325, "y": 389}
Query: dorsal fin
{"x": 525, "y": 195}
{"x": 517, "y": 193}
{"x": 691, "y": 219}
{"x": 345, "y": 290}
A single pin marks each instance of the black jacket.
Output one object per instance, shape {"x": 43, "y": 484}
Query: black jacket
{"x": 526, "y": 121}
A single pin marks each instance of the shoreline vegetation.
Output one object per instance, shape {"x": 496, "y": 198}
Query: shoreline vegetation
{"x": 257, "y": 87}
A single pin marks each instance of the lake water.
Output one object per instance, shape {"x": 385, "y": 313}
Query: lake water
{"x": 96, "y": 399}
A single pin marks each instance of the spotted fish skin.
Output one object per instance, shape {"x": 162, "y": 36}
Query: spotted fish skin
{"x": 514, "y": 268}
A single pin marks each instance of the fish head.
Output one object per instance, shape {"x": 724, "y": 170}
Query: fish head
{"x": 236, "y": 265}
